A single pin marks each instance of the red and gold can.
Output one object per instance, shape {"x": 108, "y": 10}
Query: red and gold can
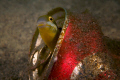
{"x": 80, "y": 52}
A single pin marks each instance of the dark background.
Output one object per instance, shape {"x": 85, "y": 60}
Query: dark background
{"x": 18, "y": 22}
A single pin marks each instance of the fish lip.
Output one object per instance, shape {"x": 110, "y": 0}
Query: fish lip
{"x": 41, "y": 24}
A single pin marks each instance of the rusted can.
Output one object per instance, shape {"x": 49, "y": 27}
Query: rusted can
{"x": 80, "y": 52}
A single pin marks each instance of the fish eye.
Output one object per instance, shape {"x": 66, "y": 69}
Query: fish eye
{"x": 50, "y": 18}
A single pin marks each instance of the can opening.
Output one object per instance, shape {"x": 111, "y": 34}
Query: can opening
{"x": 43, "y": 71}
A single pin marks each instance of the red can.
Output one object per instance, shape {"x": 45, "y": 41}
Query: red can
{"x": 80, "y": 52}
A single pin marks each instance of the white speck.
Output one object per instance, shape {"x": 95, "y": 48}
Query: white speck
{"x": 35, "y": 58}
{"x": 38, "y": 40}
{"x": 76, "y": 71}
{"x": 101, "y": 66}
{"x": 108, "y": 75}
{"x": 55, "y": 59}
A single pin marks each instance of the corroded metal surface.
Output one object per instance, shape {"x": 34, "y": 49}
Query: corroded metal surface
{"x": 92, "y": 66}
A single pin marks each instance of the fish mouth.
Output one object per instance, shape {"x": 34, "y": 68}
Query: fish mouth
{"x": 41, "y": 24}
{"x": 44, "y": 24}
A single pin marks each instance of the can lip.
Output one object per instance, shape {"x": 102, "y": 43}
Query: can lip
{"x": 36, "y": 39}
{"x": 61, "y": 36}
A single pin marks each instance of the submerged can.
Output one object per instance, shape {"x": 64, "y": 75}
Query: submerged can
{"x": 80, "y": 52}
